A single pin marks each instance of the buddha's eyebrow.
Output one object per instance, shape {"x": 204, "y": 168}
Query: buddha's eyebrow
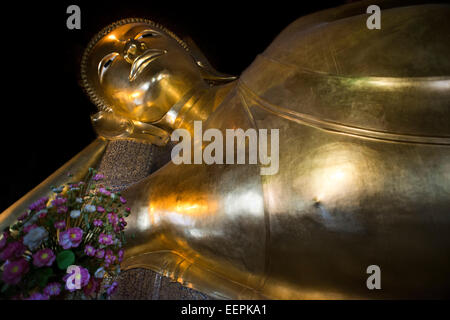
{"x": 147, "y": 34}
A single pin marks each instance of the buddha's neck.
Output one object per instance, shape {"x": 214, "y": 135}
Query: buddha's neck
{"x": 197, "y": 105}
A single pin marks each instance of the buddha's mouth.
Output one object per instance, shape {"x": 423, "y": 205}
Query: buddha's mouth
{"x": 142, "y": 61}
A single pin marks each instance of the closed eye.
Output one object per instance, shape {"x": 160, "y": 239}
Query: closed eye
{"x": 147, "y": 34}
{"x": 105, "y": 63}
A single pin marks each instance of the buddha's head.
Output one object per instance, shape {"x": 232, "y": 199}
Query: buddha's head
{"x": 139, "y": 70}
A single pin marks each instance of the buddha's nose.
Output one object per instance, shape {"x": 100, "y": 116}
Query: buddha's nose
{"x": 133, "y": 49}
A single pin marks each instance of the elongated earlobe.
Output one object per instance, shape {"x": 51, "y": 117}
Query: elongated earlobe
{"x": 207, "y": 71}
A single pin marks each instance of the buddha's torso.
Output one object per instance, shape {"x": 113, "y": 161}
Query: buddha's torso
{"x": 364, "y": 171}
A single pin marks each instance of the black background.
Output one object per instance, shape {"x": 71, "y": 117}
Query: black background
{"x": 45, "y": 114}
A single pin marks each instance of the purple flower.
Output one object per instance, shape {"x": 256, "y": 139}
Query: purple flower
{"x": 38, "y": 296}
{"x": 122, "y": 223}
{"x": 60, "y": 224}
{"x": 98, "y": 177}
{"x": 123, "y": 200}
{"x": 39, "y": 204}
{"x": 44, "y": 257}
{"x": 12, "y": 251}
{"x": 92, "y": 286}
{"x": 52, "y": 289}
{"x": 23, "y": 216}
{"x": 70, "y": 238}
{"x": 104, "y": 192}
{"x": 105, "y": 239}
{"x": 98, "y": 223}
{"x": 59, "y": 201}
{"x": 100, "y": 254}
{"x": 113, "y": 218}
{"x": 29, "y": 227}
{"x": 120, "y": 255}
{"x": 112, "y": 288}
{"x": 100, "y": 209}
{"x": 62, "y": 210}
{"x": 89, "y": 250}
{"x": 72, "y": 279}
{"x": 14, "y": 270}
{"x": 109, "y": 258}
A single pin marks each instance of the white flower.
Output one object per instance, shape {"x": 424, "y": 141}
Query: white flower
{"x": 75, "y": 213}
{"x": 79, "y": 200}
{"x": 90, "y": 208}
{"x": 35, "y": 237}
{"x": 100, "y": 273}
{"x": 113, "y": 196}
{"x": 58, "y": 190}
{"x": 33, "y": 219}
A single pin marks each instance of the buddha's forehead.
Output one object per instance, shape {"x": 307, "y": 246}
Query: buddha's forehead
{"x": 133, "y": 30}
{"x": 152, "y": 36}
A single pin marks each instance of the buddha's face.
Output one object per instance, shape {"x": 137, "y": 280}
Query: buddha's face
{"x": 140, "y": 71}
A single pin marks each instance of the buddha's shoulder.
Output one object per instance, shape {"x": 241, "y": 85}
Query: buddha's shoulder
{"x": 330, "y": 70}
{"x": 413, "y": 41}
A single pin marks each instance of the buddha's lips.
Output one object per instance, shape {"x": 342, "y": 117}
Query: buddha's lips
{"x": 143, "y": 60}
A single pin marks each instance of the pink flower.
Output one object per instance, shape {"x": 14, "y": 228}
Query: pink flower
{"x": 104, "y": 192}
{"x": 127, "y": 209}
{"x": 72, "y": 279}
{"x": 100, "y": 209}
{"x": 39, "y": 204}
{"x": 123, "y": 200}
{"x": 98, "y": 223}
{"x": 89, "y": 250}
{"x": 14, "y": 270}
{"x": 52, "y": 289}
{"x": 59, "y": 201}
{"x": 98, "y": 177}
{"x": 100, "y": 254}
{"x": 12, "y": 251}
{"x": 44, "y": 257}
{"x": 42, "y": 213}
{"x": 60, "y": 224}
{"x": 113, "y": 218}
{"x": 105, "y": 239}
{"x": 38, "y": 296}
{"x": 70, "y": 238}
{"x": 92, "y": 286}
{"x": 62, "y": 209}
{"x": 29, "y": 227}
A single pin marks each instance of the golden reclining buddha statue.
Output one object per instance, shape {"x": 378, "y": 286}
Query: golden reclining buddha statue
{"x": 364, "y": 156}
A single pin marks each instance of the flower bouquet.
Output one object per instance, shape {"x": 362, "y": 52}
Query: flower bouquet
{"x": 66, "y": 246}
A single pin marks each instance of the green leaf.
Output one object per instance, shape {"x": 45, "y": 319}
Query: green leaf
{"x": 42, "y": 276}
{"x": 4, "y": 288}
{"x": 86, "y": 221}
{"x": 65, "y": 258}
